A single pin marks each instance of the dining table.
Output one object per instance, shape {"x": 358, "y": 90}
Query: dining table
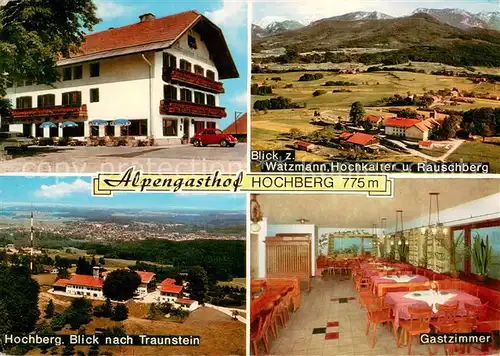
{"x": 377, "y": 280}
{"x": 401, "y": 301}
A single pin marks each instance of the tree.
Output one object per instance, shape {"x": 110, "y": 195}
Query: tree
{"x": 19, "y": 298}
{"x": 63, "y": 273}
{"x": 357, "y": 113}
{"x": 450, "y": 126}
{"x": 197, "y": 284}
{"x": 104, "y": 310}
{"x": 120, "y": 313}
{"x": 68, "y": 350}
{"x": 408, "y": 114}
{"x": 33, "y": 34}
{"x": 102, "y": 261}
{"x": 83, "y": 267}
{"x": 121, "y": 284}
{"x": 58, "y": 321}
{"x": 78, "y": 313}
{"x": 49, "y": 309}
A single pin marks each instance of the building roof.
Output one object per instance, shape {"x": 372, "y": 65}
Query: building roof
{"x": 146, "y": 277}
{"x": 85, "y": 280}
{"x": 345, "y": 135}
{"x": 155, "y": 34}
{"x": 373, "y": 118}
{"x": 238, "y": 127}
{"x": 422, "y": 126}
{"x": 167, "y": 281}
{"x": 61, "y": 283}
{"x": 185, "y": 301}
{"x": 303, "y": 144}
{"x": 171, "y": 288}
{"x": 399, "y": 122}
{"x": 360, "y": 138}
{"x": 425, "y": 143}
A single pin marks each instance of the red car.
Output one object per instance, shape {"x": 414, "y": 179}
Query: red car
{"x": 213, "y": 137}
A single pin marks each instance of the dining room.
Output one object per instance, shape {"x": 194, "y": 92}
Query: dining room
{"x": 344, "y": 274}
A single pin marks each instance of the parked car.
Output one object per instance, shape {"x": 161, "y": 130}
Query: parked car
{"x": 10, "y": 139}
{"x": 213, "y": 137}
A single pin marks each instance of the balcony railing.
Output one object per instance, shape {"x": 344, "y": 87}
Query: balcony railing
{"x": 176, "y": 107}
{"x": 192, "y": 79}
{"x": 58, "y": 112}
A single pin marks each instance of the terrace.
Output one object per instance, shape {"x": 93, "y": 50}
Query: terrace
{"x": 329, "y": 281}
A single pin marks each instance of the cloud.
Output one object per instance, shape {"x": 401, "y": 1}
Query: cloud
{"x": 241, "y": 99}
{"x": 62, "y": 189}
{"x": 108, "y": 9}
{"x": 233, "y": 13}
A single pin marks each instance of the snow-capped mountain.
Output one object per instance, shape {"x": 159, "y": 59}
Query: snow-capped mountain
{"x": 357, "y": 16}
{"x": 463, "y": 19}
{"x": 274, "y": 28}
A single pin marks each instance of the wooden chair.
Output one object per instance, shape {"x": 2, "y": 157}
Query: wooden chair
{"x": 366, "y": 292}
{"x": 274, "y": 316}
{"x": 419, "y": 323}
{"x": 475, "y": 313}
{"x": 283, "y": 312}
{"x": 377, "y": 314}
{"x": 445, "y": 316}
{"x": 261, "y": 331}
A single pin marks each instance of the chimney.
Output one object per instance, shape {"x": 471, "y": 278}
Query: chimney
{"x": 95, "y": 272}
{"x": 147, "y": 17}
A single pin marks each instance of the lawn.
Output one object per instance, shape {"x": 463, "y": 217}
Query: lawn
{"x": 268, "y": 127}
{"x": 479, "y": 152}
{"x": 236, "y": 282}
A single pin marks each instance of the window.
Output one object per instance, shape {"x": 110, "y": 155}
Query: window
{"x": 94, "y": 95}
{"x": 199, "y": 70}
{"x": 74, "y": 131}
{"x": 169, "y": 127}
{"x": 191, "y": 42}
{"x": 199, "y": 97}
{"x": 459, "y": 237}
{"x": 72, "y": 98}
{"x": 67, "y": 74}
{"x": 210, "y": 99}
{"x": 169, "y": 92}
{"x": 185, "y": 65}
{"x": 94, "y": 131}
{"x": 186, "y": 95}
{"x": 210, "y": 75}
{"x": 46, "y": 100}
{"x": 169, "y": 61}
{"x": 24, "y": 102}
{"x": 94, "y": 69}
{"x": 26, "y": 130}
{"x": 211, "y": 125}
{"x": 78, "y": 72}
{"x": 493, "y": 234}
{"x": 136, "y": 128}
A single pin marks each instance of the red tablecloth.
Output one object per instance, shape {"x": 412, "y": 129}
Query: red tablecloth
{"x": 268, "y": 295}
{"x": 400, "y": 304}
{"x": 379, "y": 280}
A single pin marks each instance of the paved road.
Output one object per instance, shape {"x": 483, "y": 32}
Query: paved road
{"x": 454, "y": 145}
{"x": 171, "y": 159}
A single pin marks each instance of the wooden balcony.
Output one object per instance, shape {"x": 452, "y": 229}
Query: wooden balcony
{"x": 176, "y": 107}
{"x": 191, "y": 79}
{"x": 54, "y": 112}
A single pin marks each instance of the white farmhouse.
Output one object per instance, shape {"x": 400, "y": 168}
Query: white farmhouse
{"x": 161, "y": 75}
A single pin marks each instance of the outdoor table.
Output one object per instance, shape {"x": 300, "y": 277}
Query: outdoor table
{"x": 397, "y": 279}
{"x": 401, "y": 301}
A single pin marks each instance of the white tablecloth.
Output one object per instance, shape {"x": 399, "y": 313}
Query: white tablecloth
{"x": 432, "y": 298}
{"x": 399, "y": 279}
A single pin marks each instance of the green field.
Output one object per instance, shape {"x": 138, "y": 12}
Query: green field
{"x": 269, "y": 128}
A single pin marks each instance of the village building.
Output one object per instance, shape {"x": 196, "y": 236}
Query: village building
{"x": 173, "y": 294}
{"x": 374, "y": 120}
{"x": 305, "y": 146}
{"x": 414, "y": 129}
{"x": 238, "y": 128}
{"x": 159, "y": 78}
{"x": 358, "y": 139}
{"x": 91, "y": 286}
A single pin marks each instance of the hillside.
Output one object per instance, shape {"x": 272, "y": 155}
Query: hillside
{"x": 410, "y": 35}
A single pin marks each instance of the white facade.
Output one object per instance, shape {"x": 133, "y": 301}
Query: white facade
{"x": 189, "y": 307}
{"x": 142, "y": 290}
{"x": 168, "y": 297}
{"x": 395, "y": 131}
{"x": 129, "y": 87}
{"x": 84, "y": 291}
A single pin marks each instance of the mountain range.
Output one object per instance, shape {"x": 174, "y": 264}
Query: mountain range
{"x": 454, "y": 17}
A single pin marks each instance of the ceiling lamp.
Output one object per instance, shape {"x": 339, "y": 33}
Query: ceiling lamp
{"x": 437, "y": 227}
{"x": 302, "y": 220}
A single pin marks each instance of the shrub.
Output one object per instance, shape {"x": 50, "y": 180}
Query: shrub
{"x": 120, "y": 313}
{"x": 261, "y": 90}
{"x": 308, "y": 77}
{"x": 49, "y": 310}
{"x": 319, "y": 92}
{"x": 287, "y": 86}
{"x": 339, "y": 83}
{"x": 58, "y": 322}
{"x": 276, "y": 79}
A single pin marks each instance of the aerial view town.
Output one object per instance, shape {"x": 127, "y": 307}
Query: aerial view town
{"x": 173, "y": 265}
{"x": 411, "y": 85}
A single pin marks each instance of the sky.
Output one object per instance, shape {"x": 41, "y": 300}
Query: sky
{"x": 76, "y": 191}
{"x": 266, "y": 11}
{"x": 229, "y": 15}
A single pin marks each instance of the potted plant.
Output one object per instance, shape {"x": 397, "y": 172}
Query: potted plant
{"x": 481, "y": 255}
{"x": 457, "y": 250}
